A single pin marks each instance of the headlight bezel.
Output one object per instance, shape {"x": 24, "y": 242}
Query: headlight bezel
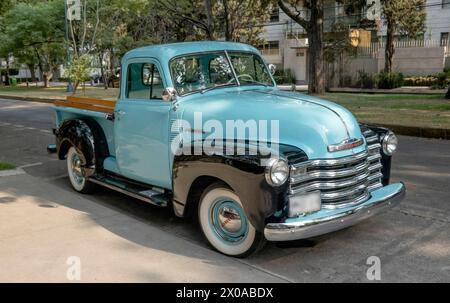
{"x": 277, "y": 165}
{"x": 389, "y": 140}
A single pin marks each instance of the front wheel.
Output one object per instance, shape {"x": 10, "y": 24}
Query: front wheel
{"x": 76, "y": 172}
{"x": 225, "y": 224}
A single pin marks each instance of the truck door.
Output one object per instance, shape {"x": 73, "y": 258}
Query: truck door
{"x": 141, "y": 126}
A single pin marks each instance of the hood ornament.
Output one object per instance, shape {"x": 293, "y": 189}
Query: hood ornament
{"x": 345, "y": 145}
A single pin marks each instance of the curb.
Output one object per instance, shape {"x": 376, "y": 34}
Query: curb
{"x": 30, "y": 99}
{"x": 386, "y": 91}
{"x": 10, "y": 173}
{"x": 421, "y": 132}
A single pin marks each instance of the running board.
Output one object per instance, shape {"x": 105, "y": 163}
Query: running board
{"x": 146, "y": 194}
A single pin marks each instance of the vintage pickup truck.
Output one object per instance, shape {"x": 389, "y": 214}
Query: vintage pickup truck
{"x": 164, "y": 142}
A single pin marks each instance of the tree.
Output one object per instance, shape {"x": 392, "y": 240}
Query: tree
{"x": 402, "y": 17}
{"x": 33, "y": 32}
{"x": 309, "y": 14}
{"x": 448, "y": 94}
{"x": 79, "y": 70}
{"x": 232, "y": 20}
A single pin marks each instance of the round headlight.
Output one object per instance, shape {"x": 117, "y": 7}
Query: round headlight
{"x": 277, "y": 172}
{"x": 390, "y": 144}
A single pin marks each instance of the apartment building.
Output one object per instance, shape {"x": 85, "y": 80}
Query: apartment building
{"x": 287, "y": 44}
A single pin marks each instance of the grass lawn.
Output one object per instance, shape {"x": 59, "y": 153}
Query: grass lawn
{"x": 406, "y": 110}
{"x": 6, "y": 166}
{"x": 59, "y": 92}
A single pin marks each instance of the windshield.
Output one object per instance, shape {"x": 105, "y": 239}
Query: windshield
{"x": 206, "y": 71}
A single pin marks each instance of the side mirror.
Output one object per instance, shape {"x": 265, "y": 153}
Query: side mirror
{"x": 169, "y": 94}
{"x": 272, "y": 69}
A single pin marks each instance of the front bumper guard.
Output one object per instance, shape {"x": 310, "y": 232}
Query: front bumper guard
{"x": 330, "y": 220}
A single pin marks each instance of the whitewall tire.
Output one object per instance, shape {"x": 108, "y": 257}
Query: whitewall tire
{"x": 76, "y": 172}
{"x": 225, "y": 224}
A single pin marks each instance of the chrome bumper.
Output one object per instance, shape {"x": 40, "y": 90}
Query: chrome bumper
{"x": 329, "y": 220}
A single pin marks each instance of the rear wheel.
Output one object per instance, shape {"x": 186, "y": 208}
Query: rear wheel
{"x": 76, "y": 172}
{"x": 225, "y": 224}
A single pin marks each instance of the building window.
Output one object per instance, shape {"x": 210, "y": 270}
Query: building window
{"x": 444, "y": 39}
{"x": 275, "y": 15}
{"x": 445, "y": 3}
{"x": 271, "y": 48}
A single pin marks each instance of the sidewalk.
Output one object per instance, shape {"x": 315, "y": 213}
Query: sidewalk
{"x": 43, "y": 225}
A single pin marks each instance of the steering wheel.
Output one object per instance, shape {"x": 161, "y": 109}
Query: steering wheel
{"x": 249, "y": 77}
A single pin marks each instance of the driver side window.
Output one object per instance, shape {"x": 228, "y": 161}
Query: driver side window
{"x": 144, "y": 82}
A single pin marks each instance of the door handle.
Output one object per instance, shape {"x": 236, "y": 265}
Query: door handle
{"x": 120, "y": 113}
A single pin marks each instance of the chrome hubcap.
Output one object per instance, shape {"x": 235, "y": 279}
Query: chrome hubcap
{"x": 228, "y": 221}
{"x": 77, "y": 170}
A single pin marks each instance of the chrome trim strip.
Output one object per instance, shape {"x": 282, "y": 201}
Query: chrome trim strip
{"x": 343, "y": 193}
{"x": 376, "y": 167}
{"x": 333, "y": 162}
{"x": 339, "y": 173}
{"x": 374, "y": 146}
{"x": 345, "y": 145}
{"x": 376, "y": 176}
{"x": 372, "y": 139}
{"x": 343, "y": 204}
{"x": 327, "y": 185}
{"x": 304, "y": 228}
{"x": 375, "y": 157}
{"x": 375, "y": 186}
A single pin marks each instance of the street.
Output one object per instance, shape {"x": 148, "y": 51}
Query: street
{"x": 118, "y": 239}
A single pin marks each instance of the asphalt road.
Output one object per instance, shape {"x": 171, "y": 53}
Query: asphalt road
{"x": 412, "y": 241}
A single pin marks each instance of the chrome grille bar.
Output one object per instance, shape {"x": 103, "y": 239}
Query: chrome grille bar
{"x": 342, "y": 181}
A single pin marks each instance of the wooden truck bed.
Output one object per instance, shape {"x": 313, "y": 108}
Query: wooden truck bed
{"x": 96, "y": 105}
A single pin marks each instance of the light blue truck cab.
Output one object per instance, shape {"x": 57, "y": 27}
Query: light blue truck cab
{"x": 203, "y": 128}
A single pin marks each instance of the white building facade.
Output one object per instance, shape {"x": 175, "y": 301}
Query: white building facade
{"x": 287, "y": 44}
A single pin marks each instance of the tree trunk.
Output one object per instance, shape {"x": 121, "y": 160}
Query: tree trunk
{"x": 102, "y": 70}
{"x": 448, "y": 94}
{"x": 7, "y": 82}
{"x": 390, "y": 49}
{"x": 75, "y": 87}
{"x": 226, "y": 13}
{"x": 317, "y": 81}
{"x": 46, "y": 80}
{"x": 209, "y": 19}
{"x": 32, "y": 69}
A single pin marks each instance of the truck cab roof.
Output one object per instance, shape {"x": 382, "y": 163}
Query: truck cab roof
{"x": 165, "y": 52}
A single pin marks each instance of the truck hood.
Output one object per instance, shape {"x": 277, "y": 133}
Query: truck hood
{"x": 306, "y": 122}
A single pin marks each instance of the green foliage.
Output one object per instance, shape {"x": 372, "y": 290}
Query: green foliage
{"x": 406, "y": 17}
{"x": 437, "y": 81}
{"x": 6, "y": 166}
{"x": 284, "y": 76}
{"x": 442, "y": 81}
{"x": 33, "y": 32}
{"x": 79, "y": 69}
{"x": 390, "y": 80}
{"x": 366, "y": 80}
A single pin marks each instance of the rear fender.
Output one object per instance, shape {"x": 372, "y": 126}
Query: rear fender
{"x": 88, "y": 139}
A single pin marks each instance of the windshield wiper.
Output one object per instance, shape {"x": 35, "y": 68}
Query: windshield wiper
{"x": 217, "y": 86}
{"x": 255, "y": 83}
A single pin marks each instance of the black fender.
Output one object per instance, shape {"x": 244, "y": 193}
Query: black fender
{"x": 243, "y": 174}
{"x": 87, "y": 136}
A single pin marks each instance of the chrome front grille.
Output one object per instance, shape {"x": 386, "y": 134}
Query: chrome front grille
{"x": 341, "y": 181}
